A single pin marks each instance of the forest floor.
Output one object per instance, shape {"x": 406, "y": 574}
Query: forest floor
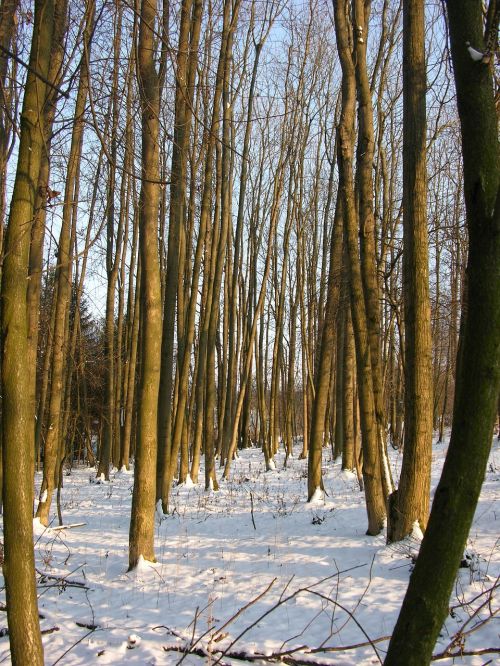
{"x": 251, "y": 573}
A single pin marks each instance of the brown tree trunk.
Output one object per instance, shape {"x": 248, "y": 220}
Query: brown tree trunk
{"x": 17, "y": 417}
{"x": 410, "y": 502}
{"x": 64, "y": 283}
{"x": 141, "y": 538}
{"x": 375, "y": 501}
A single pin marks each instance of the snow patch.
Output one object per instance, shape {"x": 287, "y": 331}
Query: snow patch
{"x": 318, "y": 497}
{"x": 349, "y": 474}
{"x": 416, "y": 532}
{"x": 476, "y": 55}
{"x": 133, "y": 640}
{"x": 188, "y": 483}
{"x": 159, "y": 509}
{"x": 212, "y": 552}
{"x": 38, "y": 528}
{"x": 43, "y": 496}
{"x": 142, "y": 565}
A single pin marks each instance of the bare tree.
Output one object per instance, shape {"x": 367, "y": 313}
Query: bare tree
{"x": 17, "y": 417}
{"x": 141, "y": 540}
{"x": 410, "y": 502}
{"x": 425, "y": 605}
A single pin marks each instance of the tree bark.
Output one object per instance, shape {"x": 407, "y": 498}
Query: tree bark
{"x": 410, "y": 502}
{"x": 17, "y": 417}
{"x": 375, "y": 501}
{"x": 425, "y": 605}
{"x": 141, "y": 538}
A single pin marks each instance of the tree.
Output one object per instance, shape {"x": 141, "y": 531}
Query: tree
{"x": 17, "y": 417}
{"x": 409, "y": 504}
{"x": 141, "y": 540}
{"x": 425, "y": 605}
{"x": 53, "y": 450}
{"x": 375, "y": 501}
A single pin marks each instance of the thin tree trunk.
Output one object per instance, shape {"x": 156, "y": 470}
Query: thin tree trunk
{"x": 64, "y": 282}
{"x": 375, "y": 502}
{"x": 410, "y": 503}
{"x": 141, "y": 537}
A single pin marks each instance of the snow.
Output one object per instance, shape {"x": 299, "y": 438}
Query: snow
{"x": 318, "y": 497}
{"x": 38, "y": 528}
{"x": 416, "y": 531}
{"x": 304, "y": 575}
{"x": 476, "y": 55}
{"x": 143, "y": 565}
{"x": 43, "y": 497}
{"x": 189, "y": 482}
{"x": 133, "y": 641}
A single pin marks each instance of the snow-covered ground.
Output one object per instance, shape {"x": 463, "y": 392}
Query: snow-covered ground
{"x": 284, "y": 577}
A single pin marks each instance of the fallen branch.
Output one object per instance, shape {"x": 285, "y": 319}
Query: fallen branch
{"x": 344, "y": 648}
{"x": 87, "y": 625}
{"x": 61, "y": 580}
{"x": 67, "y": 527}
{"x": 285, "y": 657}
{"x": 448, "y": 654}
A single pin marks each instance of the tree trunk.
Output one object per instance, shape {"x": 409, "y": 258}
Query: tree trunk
{"x": 17, "y": 417}
{"x": 410, "y": 502}
{"x": 375, "y": 501}
{"x": 141, "y": 538}
{"x": 63, "y": 297}
{"x": 425, "y": 605}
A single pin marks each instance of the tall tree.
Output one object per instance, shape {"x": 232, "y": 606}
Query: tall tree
{"x": 425, "y": 605}
{"x": 113, "y": 247}
{"x": 17, "y": 417}
{"x": 410, "y": 502}
{"x": 170, "y": 434}
{"x": 141, "y": 540}
{"x": 375, "y": 501}
{"x": 53, "y": 446}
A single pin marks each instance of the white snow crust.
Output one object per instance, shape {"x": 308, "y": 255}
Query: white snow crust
{"x": 318, "y": 497}
{"x": 212, "y": 561}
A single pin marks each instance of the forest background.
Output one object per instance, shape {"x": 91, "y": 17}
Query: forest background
{"x": 297, "y": 235}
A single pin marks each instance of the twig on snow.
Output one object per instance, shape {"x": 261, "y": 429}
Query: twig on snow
{"x": 284, "y": 600}
{"x": 251, "y": 510}
{"x": 74, "y": 645}
{"x": 346, "y": 610}
{"x": 246, "y": 606}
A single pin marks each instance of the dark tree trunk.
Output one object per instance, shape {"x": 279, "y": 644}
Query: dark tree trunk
{"x": 425, "y": 606}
